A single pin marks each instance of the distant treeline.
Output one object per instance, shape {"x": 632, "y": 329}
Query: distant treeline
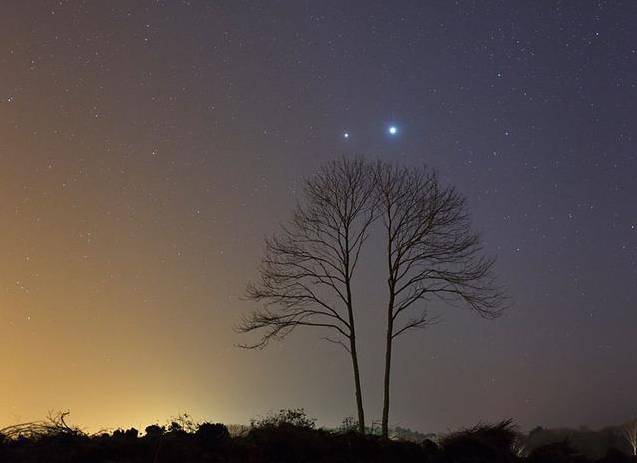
{"x": 290, "y": 436}
{"x": 593, "y": 444}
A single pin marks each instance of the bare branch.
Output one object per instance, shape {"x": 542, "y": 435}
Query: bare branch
{"x": 339, "y": 342}
{"x": 432, "y": 250}
{"x": 432, "y": 253}
{"x": 306, "y": 272}
{"x": 421, "y": 322}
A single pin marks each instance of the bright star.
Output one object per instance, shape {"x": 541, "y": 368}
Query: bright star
{"x": 346, "y": 135}
{"x": 393, "y": 130}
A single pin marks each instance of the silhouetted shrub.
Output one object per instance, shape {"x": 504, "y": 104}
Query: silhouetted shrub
{"x": 295, "y": 417}
{"x": 183, "y": 422}
{"x": 348, "y": 424}
{"x": 616, "y": 456}
{"x": 131, "y": 433}
{"x": 557, "y": 452}
{"x": 406, "y": 434}
{"x": 486, "y": 443}
{"x": 212, "y": 433}
{"x": 283, "y": 440}
{"x": 429, "y": 447}
{"x": 287, "y": 437}
{"x": 175, "y": 429}
{"x": 592, "y": 444}
{"x": 154, "y": 430}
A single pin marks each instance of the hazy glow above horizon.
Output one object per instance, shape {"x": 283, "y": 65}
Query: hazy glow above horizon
{"x": 146, "y": 149}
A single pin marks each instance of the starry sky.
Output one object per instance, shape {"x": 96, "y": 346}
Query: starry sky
{"x": 148, "y": 146}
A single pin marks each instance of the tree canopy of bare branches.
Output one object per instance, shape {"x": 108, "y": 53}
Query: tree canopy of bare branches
{"x": 307, "y": 270}
{"x": 432, "y": 253}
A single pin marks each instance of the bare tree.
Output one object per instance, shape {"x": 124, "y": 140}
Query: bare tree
{"x": 306, "y": 273}
{"x": 629, "y": 431}
{"x": 432, "y": 254}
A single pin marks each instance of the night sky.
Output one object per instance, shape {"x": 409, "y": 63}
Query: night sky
{"x": 147, "y": 147}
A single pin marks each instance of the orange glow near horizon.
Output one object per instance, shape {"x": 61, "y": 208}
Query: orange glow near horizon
{"x": 147, "y": 148}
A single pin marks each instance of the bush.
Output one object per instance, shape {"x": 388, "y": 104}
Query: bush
{"x": 183, "y": 422}
{"x": 488, "y": 443}
{"x": 616, "y": 456}
{"x": 286, "y": 437}
{"x": 348, "y": 424}
{"x": 558, "y": 452}
{"x": 430, "y": 447}
{"x": 212, "y": 433}
{"x": 288, "y": 417}
{"x": 154, "y": 431}
{"x": 131, "y": 433}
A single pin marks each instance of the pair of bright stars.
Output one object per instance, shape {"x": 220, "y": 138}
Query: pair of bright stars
{"x": 391, "y": 130}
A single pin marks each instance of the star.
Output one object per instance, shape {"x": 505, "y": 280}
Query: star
{"x": 392, "y": 130}
{"x": 346, "y": 135}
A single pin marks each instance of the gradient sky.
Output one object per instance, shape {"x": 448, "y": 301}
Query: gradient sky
{"x": 147, "y": 147}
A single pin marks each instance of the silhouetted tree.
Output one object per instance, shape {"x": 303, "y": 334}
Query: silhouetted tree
{"x": 431, "y": 253}
{"x": 306, "y": 273}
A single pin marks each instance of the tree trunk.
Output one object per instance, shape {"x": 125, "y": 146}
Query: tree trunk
{"x": 352, "y": 349}
{"x": 388, "y": 348}
{"x": 357, "y": 385}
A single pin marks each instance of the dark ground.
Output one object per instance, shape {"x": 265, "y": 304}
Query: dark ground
{"x": 289, "y": 437}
